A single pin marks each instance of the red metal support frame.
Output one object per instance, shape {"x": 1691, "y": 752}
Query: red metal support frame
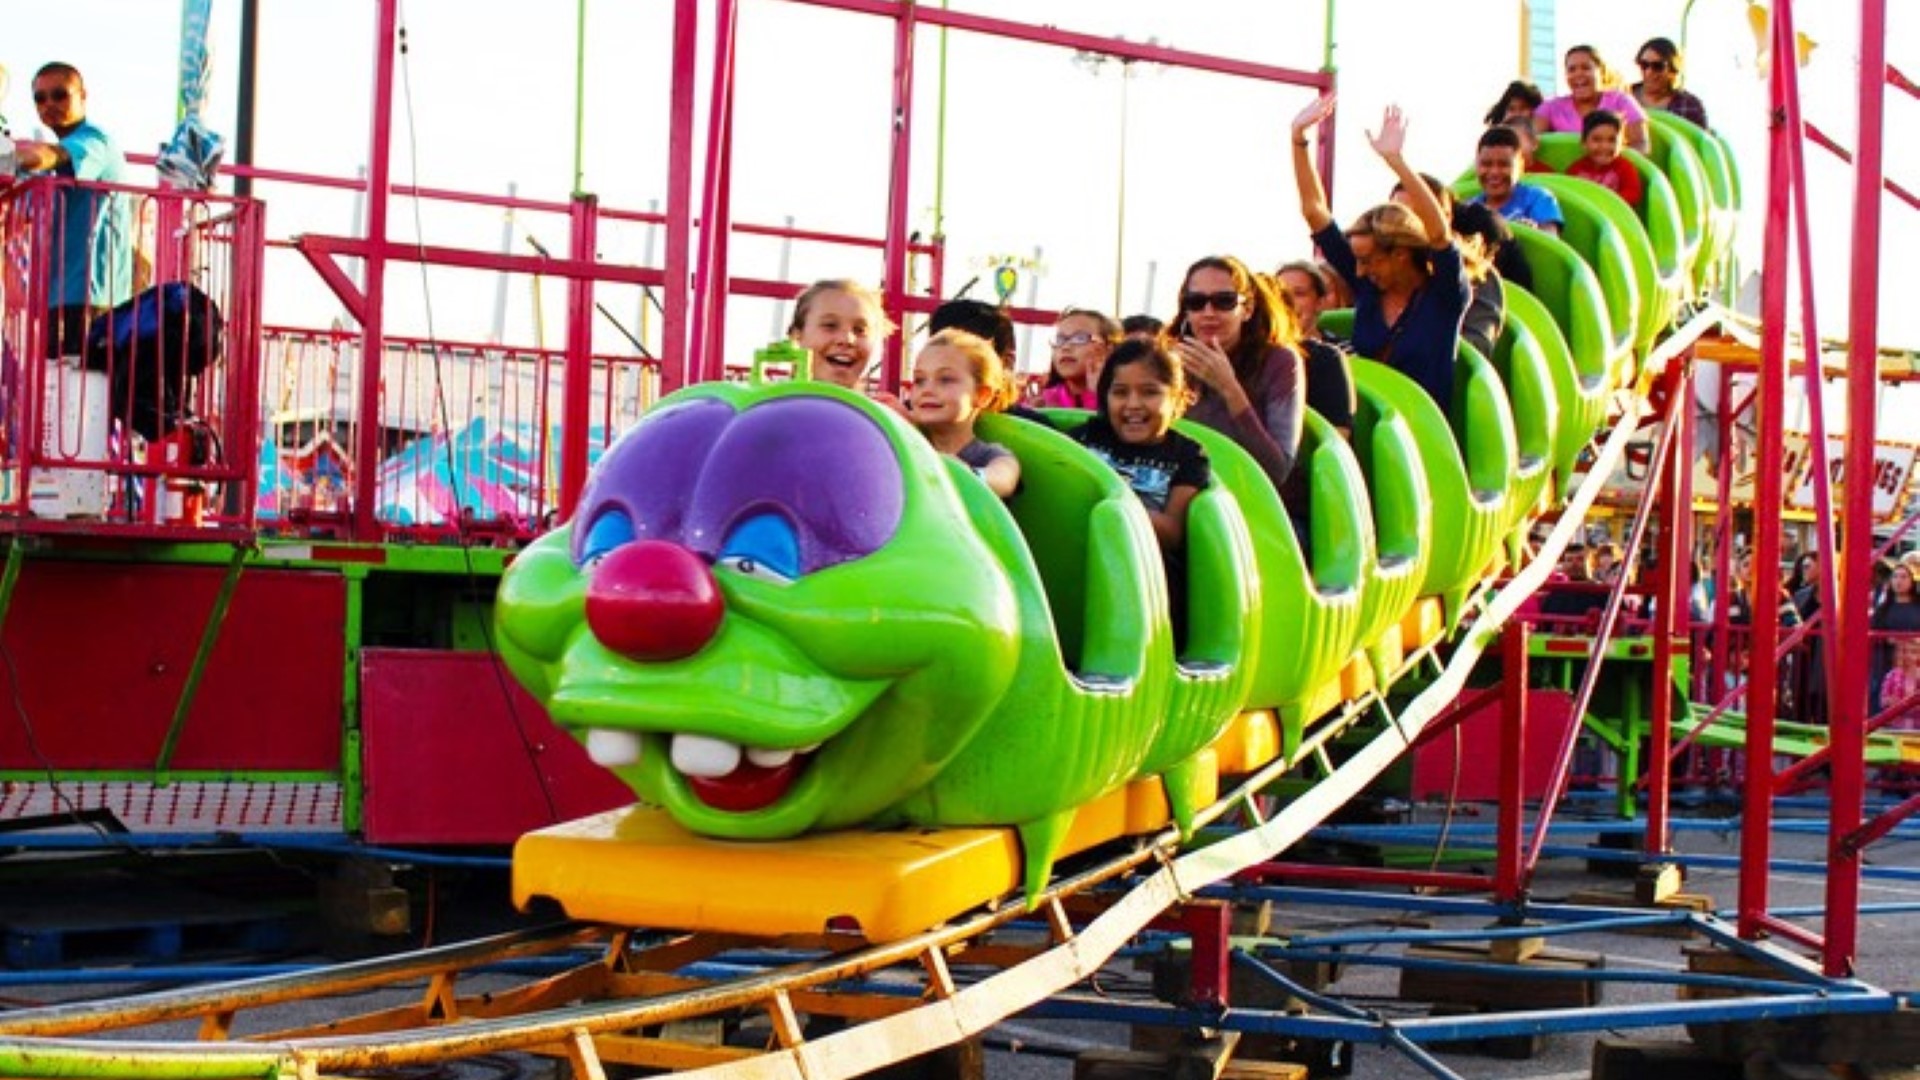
{"x": 676, "y": 292}
{"x": 366, "y": 450}
{"x": 576, "y": 401}
{"x": 1822, "y": 139}
{"x": 1726, "y": 417}
{"x": 1850, "y": 696}
{"x": 1603, "y": 633}
{"x": 1509, "y": 868}
{"x": 1756, "y": 834}
{"x": 704, "y": 342}
{"x": 1672, "y": 607}
{"x": 893, "y": 369}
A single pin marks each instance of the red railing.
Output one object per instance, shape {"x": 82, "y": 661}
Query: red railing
{"x": 469, "y": 435}
{"x": 128, "y": 359}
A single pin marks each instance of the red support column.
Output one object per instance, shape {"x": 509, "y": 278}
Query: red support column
{"x": 895, "y": 252}
{"x": 1848, "y": 699}
{"x": 576, "y": 400}
{"x": 705, "y": 334}
{"x": 1723, "y": 641}
{"x": 1509, "y": 868}
{"x": 676, "y": 293}
{"x": 1671, "y": 606}
{"x": 367, "y": 440}
{"x": 1762, "y": 670}
{"x": 1210, "y": 924}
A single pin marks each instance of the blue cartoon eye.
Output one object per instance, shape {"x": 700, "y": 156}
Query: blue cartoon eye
{"x": 763, "y": 546}
{"x": 610, "y": 530}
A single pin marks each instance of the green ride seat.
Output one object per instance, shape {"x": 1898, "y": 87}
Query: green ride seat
{"x": 1308, "y": 624}
{"x": 1105, "y": 587}
{"x": 1470, "y": 503}
{"x": 1616, "y": 231}
{"x": 1101, "y": 579}
{"x": 1610, "y": 258}
{"x": 1523, "y": 366}
{"x": 1694, "y": 157}
{"x": 1571, "y": 291}
{"x": 1389, "y": 458}
{"x": 1674, "y": 250}
{"x": 1580, "y": 394}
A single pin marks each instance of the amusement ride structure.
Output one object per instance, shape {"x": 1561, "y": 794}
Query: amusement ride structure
{"x": 985, "y": 792}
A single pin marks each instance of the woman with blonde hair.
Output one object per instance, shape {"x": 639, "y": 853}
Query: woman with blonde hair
{"x": 1409, "y": 283}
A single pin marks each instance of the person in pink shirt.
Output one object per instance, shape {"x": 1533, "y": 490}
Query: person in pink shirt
{"x": 1603, "y": 163}
{"x": 1591, "y": 85}
{"x": 1081, "y": 341}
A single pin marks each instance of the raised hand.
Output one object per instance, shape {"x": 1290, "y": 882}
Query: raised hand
{"x": 1316, "y": 112}
{"x": 1208, "y": 364}
{"x": 1393, "y": 133}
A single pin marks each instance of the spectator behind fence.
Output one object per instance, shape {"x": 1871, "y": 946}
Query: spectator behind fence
{"x": 1898, "y": 617}
{"x": 1660, "y": 78}
{"x": 91, "y": 266}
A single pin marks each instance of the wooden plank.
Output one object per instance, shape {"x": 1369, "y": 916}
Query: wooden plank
{"x": 1638, "y": 1059}
{"x": 1515, "y": 950}
{"x": 1656, "y": 882}
{"x": 1492, "y": 985}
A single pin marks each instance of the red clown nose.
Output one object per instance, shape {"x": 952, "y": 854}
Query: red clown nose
{"x": 654, "y": 601}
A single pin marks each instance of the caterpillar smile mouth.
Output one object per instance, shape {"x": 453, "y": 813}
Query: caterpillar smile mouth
{"x": 721, "y": 774}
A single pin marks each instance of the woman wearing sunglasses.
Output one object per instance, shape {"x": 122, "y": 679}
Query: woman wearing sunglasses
{"x": 1236, "y": 342}
{"x": 1659, "y": 85}
{"x": 1409, "y": 282}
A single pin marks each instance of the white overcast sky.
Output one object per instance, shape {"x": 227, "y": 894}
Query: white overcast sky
{"x": 1032, "y": 138}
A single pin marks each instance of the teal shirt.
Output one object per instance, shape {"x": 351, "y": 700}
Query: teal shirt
{"x": 93, "y": 254}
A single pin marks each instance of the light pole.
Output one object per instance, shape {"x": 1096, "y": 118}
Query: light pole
{"x": 1095, "y": 62}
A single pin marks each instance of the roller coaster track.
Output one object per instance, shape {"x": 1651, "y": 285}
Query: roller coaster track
{"x": 600, "y": 992}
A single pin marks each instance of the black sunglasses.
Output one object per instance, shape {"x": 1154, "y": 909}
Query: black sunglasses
{"x": 1224, "y": 300}
{"x": 58, "y": 93}
{"x": 1653, "y": 65}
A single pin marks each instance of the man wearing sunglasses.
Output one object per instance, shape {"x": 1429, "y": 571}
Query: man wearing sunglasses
{"x": 91, "y": 266}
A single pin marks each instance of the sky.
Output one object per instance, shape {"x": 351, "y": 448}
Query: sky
{"x": 1033, "y": 138}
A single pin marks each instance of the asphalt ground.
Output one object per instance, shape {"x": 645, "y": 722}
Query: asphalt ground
{"x": 1032, "y": 1048}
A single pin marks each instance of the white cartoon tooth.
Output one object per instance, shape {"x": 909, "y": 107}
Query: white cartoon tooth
{"x": 612, "y": 749}
{"x": 768, "y": 759}
{"x": 705, "y": 757}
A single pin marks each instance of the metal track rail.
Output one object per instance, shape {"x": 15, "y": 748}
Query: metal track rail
{"x": 591, "y": 1008}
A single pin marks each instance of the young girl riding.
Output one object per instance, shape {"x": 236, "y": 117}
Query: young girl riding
{"x": 1081, "y": 341}
{"x": 956, "y": 377}
{"x": 840, "y": 323}
{"x": 1142, "y": 392}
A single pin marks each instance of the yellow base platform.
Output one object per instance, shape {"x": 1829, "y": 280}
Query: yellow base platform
{"x": 636, "y": 867}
